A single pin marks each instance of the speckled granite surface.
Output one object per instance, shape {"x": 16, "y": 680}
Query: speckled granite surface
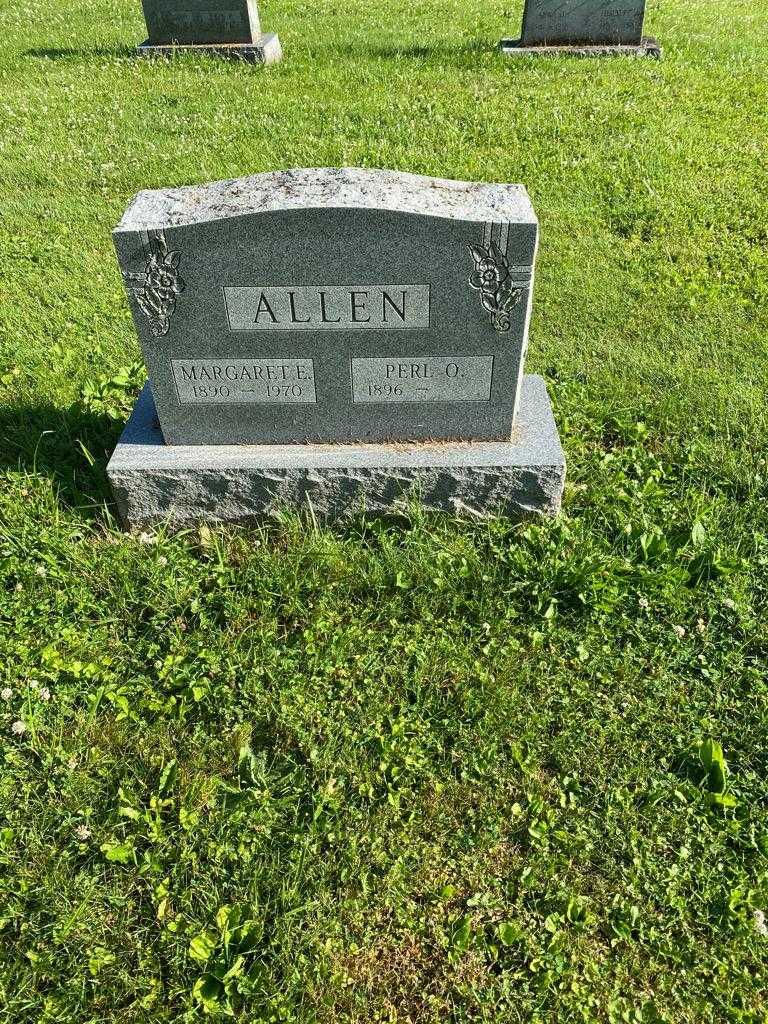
{"x": 327, "y": 187}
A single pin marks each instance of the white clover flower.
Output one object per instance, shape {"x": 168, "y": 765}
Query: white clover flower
{"x": 162, "y": 560}
{"x": 18, "y": 728}
{"x": 644, "y": 603}
{"x": 83, "y": 832}
{"x": 701, "y": 627}
{"x": 730, "y": 603}
{"x": 679, "y": 631}
{"x": 40, "y": 570}
{"x": 6, "y": 693}
{"x": 34, "y": 683}
{"x": 19, "y": 587}
{"x": 761, "y": 927}
{"x": 45, "y": 693}
{"x": 147, "y": 538}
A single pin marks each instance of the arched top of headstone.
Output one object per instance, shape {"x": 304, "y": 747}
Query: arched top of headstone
{"x": 328, "y": 188}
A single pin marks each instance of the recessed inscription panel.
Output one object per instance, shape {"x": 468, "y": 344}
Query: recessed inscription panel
{"x": 218, "y": 21}
{"x": 243, "y": 381}
{"x": 392, "y": 307}
{"x": 422, "y": 379}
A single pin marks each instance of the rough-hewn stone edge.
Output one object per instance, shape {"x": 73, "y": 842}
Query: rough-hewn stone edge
{"x": 265, "y": 49}
{"x": 647, "y": 48}
{"x": 178, "y": 486}
{"x": 321, "y": 188}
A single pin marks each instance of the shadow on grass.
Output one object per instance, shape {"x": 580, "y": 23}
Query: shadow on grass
{"x": 393, "y": 50}
{"x": 80, "y": 52}
{"x": 70, "y": 445}
{"x": 441, "y": 50}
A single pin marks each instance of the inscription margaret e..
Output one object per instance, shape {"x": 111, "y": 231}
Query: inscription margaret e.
{"x": 237, "y": 381}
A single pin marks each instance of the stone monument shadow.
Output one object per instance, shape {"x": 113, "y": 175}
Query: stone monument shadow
{"x": 417, "y": 51}
{"x": 69, "y": 444}
{"x": 79, "y": 52}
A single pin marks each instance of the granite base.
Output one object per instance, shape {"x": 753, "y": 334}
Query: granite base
{"x": 265, "y": 49}
{"x": 180, "y": 485}
{"x": 646, "y": 48}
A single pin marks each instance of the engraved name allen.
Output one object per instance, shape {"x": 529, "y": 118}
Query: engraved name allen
{"x": 393, "y": 307}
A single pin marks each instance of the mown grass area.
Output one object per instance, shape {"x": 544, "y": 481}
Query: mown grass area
{"x": 421, "y": 771}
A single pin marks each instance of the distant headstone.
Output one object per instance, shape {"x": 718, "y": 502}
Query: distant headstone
{"x": 225, "y": 27}
{"x": 357, "y": 333}
{"x": 590, "y": 27}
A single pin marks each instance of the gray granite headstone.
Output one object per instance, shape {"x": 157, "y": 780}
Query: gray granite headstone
{"x": 201, "y": 21}
{"x": 583, "y": 22}
{"x": 335, "y": 305}
{"x": 344, "y": 340}
{"x": 225, "y": 27}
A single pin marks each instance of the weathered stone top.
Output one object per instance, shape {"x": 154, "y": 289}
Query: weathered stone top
{"x": 329, "y": 187}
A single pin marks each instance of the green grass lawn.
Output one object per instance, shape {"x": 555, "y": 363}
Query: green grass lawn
{"x": 426, "y": 771}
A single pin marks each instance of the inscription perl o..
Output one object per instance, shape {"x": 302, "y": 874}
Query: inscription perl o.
{"x": 422, "y": 379}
